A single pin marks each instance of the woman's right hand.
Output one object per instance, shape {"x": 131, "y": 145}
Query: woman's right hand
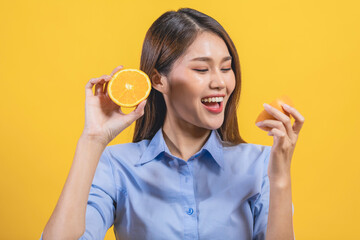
{"x": 104, "y": 119}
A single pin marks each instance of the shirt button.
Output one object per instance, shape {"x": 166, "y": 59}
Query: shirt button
{"x": 190, "y": 211}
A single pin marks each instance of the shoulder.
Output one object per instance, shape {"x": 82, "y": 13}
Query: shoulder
{"x": 129, "y": 153}
{"x": 247, "y": 156}
{"x": 248, "y": 149}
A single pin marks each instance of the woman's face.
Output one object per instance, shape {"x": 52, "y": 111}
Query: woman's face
{"x": 200, "y": 83}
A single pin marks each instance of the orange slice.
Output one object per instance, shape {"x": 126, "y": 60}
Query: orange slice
{"x": 276, "y": 104}
{"x": 128, "y": 87}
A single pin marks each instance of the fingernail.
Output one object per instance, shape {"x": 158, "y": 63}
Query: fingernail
{"x": 258, "y": 123}
{"x": 266, "y": 105}
{"x": 285, "y": 105}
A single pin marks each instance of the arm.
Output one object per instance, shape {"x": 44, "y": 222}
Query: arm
{"x": 104, "y": 120}
{"x": 69, "y": 212}
{"x": 280, "y": 220}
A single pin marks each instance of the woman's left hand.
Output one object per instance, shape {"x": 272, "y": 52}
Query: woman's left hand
{"x": 285, "y": 138}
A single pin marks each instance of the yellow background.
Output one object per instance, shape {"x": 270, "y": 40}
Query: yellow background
{"x": 306, "y": 49}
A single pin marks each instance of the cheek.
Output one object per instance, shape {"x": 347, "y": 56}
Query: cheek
{"x": 186, "y": 88}
{"x": 230, "y": 83}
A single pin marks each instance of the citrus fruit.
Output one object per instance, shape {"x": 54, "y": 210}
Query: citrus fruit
{"x": 276, "y": 104}
{"x": 128, "y": 87}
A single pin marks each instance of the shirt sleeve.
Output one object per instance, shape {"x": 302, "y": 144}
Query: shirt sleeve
{"x": 261, "y": 211}
{"x": 100, "y": 210}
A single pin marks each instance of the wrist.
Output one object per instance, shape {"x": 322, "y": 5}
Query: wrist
{"x": 280, "y": 181}
{"x": 91, "y": 138}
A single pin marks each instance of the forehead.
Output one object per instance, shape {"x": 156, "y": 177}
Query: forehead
{"x": 207, "y": 44}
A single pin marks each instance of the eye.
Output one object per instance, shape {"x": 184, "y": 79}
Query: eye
{"x": 200, "y": 70}
{"x": 226, "y": 69}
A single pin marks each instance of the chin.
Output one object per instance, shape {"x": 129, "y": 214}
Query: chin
{"x": 214, "y": 125}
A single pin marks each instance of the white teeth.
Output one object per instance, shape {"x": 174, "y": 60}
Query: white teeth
{"x": 213, "y": 99}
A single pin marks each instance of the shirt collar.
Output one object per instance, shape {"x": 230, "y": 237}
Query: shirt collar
{"x": 157, "y": 147}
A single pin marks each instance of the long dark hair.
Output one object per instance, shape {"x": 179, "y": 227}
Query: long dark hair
{"x": 165, "y": 41}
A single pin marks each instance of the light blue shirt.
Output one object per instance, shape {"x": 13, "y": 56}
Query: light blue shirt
{"x": 221, "y": 192}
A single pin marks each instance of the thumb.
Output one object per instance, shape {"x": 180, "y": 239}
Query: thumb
{"x": 137, "y": 113}
{"x": 140, "y": 108}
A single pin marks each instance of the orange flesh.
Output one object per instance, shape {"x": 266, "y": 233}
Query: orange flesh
{"x": 129, "y": 87}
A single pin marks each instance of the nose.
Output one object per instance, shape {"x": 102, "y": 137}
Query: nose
{"x": 217, "y": 81}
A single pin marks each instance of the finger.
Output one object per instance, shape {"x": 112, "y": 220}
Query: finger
{"x": 99, "y": 89}
{"x": 281, "y": 117}
{"x": 100, "y": 85}
{"x": 135, "y": 114}
{"x": 105, "y": 87}
{"x": 88, "y": 87}
{"x": 277, "y": 133}
{"x": 140, "y": 108}
{"x": 267, "y": 125}
{"x": 116, "y": 69}
{"x": 299, "y": 119}
{"x": 90, "y": 84}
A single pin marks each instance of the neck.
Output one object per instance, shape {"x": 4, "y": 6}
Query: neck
{"x": 184, "y": 140}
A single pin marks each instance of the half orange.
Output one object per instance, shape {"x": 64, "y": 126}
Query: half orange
{"x": 128, "y": 87}
{"x": 276, "y": 104}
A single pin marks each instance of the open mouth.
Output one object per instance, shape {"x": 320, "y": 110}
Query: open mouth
{"x": 213, "y": 104}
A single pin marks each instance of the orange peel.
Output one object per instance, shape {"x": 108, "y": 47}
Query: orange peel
{"x": 276, "y": 104}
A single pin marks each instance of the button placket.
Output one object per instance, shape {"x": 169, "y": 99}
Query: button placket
{"x": 189, "y": 207}
{"x": 187, "y": 180}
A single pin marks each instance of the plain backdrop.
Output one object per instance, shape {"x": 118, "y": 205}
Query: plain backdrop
{"x": 308, "y": 50}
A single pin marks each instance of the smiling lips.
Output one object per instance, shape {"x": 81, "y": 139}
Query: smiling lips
{"x": 213, "y": 103}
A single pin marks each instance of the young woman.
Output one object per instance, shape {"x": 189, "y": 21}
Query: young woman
{"x": 187, "y": 174}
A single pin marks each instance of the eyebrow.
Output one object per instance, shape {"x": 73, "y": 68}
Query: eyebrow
{"x": 207, "y": 59}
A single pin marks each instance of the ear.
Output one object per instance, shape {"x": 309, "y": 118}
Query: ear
{"x": 159, "y": 82}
